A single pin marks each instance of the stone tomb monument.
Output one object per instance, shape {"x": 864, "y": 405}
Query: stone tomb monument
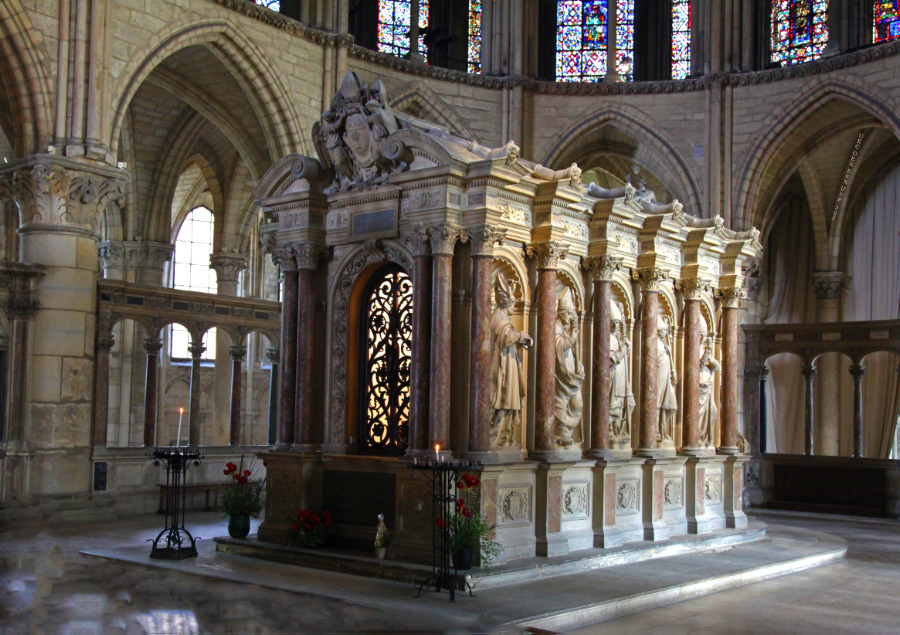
{"x": 445, "y": 298}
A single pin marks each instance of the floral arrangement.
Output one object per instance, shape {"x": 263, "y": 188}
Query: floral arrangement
{"x": 309, "y": 530}
{"x": 245, "y": 496}
{"x": 467, "y": 528}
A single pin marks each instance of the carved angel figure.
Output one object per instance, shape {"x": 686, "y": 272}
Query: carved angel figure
{"x": 507, "y": 371}
{"x": 569, "y": 373}
{"x": 667, "y": 402}
{"x": 621, "y": 398}
{"x": 709, "y": 413}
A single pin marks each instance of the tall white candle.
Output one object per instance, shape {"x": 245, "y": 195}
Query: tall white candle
{"x": 180, "y": 415}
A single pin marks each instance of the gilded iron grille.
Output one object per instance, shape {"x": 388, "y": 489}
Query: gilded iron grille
{"x": 384, "y": 398}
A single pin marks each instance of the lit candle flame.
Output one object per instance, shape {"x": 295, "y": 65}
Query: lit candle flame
{"x": 181, "y": 411}
{"x": 437, "y": 449}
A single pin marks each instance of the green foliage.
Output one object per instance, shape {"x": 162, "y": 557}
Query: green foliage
{"x": 467, "y": 529}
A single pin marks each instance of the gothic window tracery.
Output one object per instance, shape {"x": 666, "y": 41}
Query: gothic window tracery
{"x": 386, "y": 356}
{"x": 394, "y": 21}
{"x": 474, "y": 48}
{"x": 625, "y": 39}
{"x": 274, "y": 5}
{"x": 799, "y": 30}
{"x": 681, "y": 38}
{"x": 887, "y": 21}
{"x": 581, "y": 40}
{"x": 191, "y": 272}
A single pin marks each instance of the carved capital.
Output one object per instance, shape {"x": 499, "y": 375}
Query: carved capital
{"x": 196, "y": 349}
{"x": 444, "y": 237}
{"x": 809, "y": 371}
{"x": 237, "y": 353}
{"x": 694, "y": 288}
{"x": 828, "y": 285}
{"x": 548, "y": 253}
{"x": 105, "y": 343}
{"x": 732, "y": 296}
{"x": 147, "y": 254}
{"x": 484, "y": 237}
{"x": 273, "y": 355}
{"x": 857, "y": 371}
{"x": 152, "y": 345}
{"x": 418, "y": 242}
{"x": 650, "y": 277}
{"x": 308, "y": 255}
{"x": 283, "y": 257}
{"x": 227, "y": 266}
{"x": 112, "y": 252}
{"x": 602, "y": 267}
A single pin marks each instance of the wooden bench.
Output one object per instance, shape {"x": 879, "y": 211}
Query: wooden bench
{"x": 210, "y": 489}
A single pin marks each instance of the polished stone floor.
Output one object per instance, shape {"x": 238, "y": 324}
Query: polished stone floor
{"x": 47, "y": 586}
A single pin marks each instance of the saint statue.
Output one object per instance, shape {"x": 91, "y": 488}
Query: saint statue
{"x": 709, "y": 414}
{"x": 621, "y": 399}
{"x": 507, "y": 372}
{"x": 569, "y": 373}
{"x": 666, "y": 400}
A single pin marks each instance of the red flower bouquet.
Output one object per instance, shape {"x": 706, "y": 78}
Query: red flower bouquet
{"x": 245, "y": 496}
{"x": 466, "y": 527}
{"x": 309, "y": 530}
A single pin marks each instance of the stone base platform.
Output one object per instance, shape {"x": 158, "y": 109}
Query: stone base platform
{"x": 515, "y": 572}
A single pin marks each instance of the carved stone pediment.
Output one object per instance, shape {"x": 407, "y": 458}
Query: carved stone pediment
{"x": 352, "y": 137}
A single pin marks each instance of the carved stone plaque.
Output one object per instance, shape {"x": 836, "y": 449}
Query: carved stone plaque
{"x": 515, "y": 506}
{"x": 714, "y": 488}
{"x": 378, "y": 224}
{"x": 575, "y": 500}
{"x": 627, "y": 498}
{"x": 672, "y": 493}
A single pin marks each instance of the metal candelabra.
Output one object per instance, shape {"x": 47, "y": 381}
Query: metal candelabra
{"x": 179, "y": 543}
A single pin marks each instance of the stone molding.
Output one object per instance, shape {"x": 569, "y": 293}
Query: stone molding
{"x": 548, "y": 253}
{"x": 484, "y": 237}
{"x": 602, "y": 268}
{"x": 227, "y": 266}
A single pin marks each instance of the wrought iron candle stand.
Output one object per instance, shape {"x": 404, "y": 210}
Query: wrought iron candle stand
{"x": 179, "y": 543}
{"x": 445, "y": 487}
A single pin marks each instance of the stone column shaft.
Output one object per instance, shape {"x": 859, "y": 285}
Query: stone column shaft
{"x": 691, "y": 399}
{"x": 857, "y": 371}
{"x": 273, "y": 354}
{"x": 809, "y": 372}
{"x": 306, "y": 324}
{"x": 728, "y": 409}
{"x": 18, "y": 359}
{"x": 287, "y": 391}
{"x": 421, "y": 351}
{"x": 648, "y": 401}
{"x": 237, "y": 354}
{"x": 101, "y": 389}
{"x": 196, "y": 350}
{"x": 151, "y": 348}
{"x": 480, "y": 407}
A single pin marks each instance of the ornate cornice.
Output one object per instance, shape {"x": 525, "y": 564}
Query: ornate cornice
{"x": 484, "y": 237}
{"x": 602, "y": 267}
{"x": 548, "y": 253}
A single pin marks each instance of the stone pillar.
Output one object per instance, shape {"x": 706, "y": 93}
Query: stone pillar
{"x": 101, "y": 388}
{"x": 828, "y": 287}
{"x": 152, "y": 345}
{"x": 809, "y": 372}
{"x": 196, "y": 350}
{"x": 693, "y": 334}
{"x": 650, "y": 279}
{"x": 731, "y": 298}
{"x": 548, "y": 255}
{"x": 857, "y": 371}
{"x": 272, "y": 355}
{"x": 227, "y": 267}
{"x": 443, "y": 239}
{"x": 420, "y": 246}
{"x": 237, "y": 354}
{"x": 307, "y": 256}
{"x": 284, "y": 257}
{"x": 481, "y": 409}
{"x": 602, "y": 268}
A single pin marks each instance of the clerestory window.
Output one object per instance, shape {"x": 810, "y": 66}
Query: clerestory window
{"x": 191, "y": 272}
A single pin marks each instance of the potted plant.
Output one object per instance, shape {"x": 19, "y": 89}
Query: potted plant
{"x": 309, "y": 530}
{"x": 242, "y": 499}
{"x": 469, "y": 533}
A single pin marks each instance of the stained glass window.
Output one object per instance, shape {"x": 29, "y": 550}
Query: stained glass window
{"x": 799, "y": 30}
{"x": 474, "y": 56}
{"x": 625, "y": 39}
{"x": 581, "y": 28}
{"x": 681, "y": 38}
{"x": 887, "y": 20}
{"x": 192, "y": 272}
{"x": 394, "y": 23}
{"x": 274, "y": 5}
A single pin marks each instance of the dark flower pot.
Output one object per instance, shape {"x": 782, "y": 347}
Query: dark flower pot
{"x": 462, "y": 559}
{"x": 238, "y": 525}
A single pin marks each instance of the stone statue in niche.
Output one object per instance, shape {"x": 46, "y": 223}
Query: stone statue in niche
{"x": 667, "y": 402}
{"x": 351, "y": 137}
{"x": 622, "y": 401}
{"x": 709, "y": 413}
{"x": 569, "y": 374}
{"x": 507, "y": 372}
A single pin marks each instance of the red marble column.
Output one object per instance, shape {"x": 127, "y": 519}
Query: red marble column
{"x": 809, "y": 373}
{"x": 151, "y": 347}
{"x": 603, "y": 268}
{"x": 548, "y": 255}
{"x": 196, "y": 349}
{"x": 284, "y": 257}
{"x": 420, "y": 246}
{"x": 728, "y": 410}
{"x": 692, "y": 353}
{"x": 237, "y": 354}
{"x": 307, "y": 256}
{"x": 480, "y": 407}
{"x": 857, "y": 371}
{"x": 650, "y": 279}
{"x": 101, "y": 389}
{"x": 443, "y": 239}
{"x": 273, "y": 355}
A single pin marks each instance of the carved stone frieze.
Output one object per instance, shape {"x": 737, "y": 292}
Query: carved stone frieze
{"x": 514, "y": 214}
{"x": 337, "y": 219}
{"x": 548, "y": 253}
{"x": 484, "y": 237}
{"x": 575, "y": 230}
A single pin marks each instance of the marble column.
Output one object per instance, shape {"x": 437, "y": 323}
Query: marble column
{"x": 237, "y": 354}
{"x": 693, "y": 335}
{"x": 857, "y": 371}
{"x": 731, "y": 298}
{"x": 809, "y": 373}
{"x": 105, "y": 344}
{"x": 196, "y": 349}
{"x": 548, "y": 255}
{"x": 483, "y": 239}
{"x": 273, "y": 355}
{"x": 420, "y": 246}
{"x": 307, "y": 256}
{"x": 228, "y": 266}
{"x": 443, "y": 239}
{"x": 284, "y": 257}
{"x": 602, "y": 268}
{"x": 828, "y": 287}
{"x": 650, "y": 279}
{"x": 152, "y": 345}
